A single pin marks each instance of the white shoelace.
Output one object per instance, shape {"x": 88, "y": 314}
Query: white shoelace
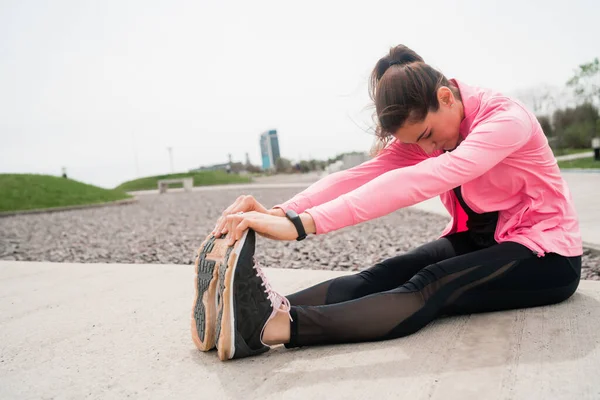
{"x": 279, "y": 302}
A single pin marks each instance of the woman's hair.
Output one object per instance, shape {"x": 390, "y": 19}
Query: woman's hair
{"x": 404, "y": 89}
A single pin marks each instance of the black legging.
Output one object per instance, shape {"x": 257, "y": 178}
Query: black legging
{"x": 451, "y": 275}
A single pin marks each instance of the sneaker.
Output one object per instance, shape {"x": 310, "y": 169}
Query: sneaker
{"x": 248, "y": 303}
{"x": 211, "y": 255}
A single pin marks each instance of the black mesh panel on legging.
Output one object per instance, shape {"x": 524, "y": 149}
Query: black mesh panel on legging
{"x": 408, "y": 308}
{"x": 383, "y": 276}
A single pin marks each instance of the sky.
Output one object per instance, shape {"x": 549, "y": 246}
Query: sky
{"x": 104, "y": 88}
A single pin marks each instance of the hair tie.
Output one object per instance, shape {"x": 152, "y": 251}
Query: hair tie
{"x": 395, "y": 62}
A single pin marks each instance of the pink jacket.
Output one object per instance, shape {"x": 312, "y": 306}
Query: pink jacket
{"x": 504, "y": 164}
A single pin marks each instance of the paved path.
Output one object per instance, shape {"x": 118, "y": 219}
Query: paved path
{"x": 112, "y": 331}
{"x": 576, "y": 156}
{"x": 241, "y": 186}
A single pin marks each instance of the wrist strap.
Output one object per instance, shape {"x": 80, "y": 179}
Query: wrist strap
{"x": 295, "y": 218}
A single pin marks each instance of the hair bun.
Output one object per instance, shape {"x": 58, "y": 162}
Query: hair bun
{"x": 399, "y": 55}
{"x": 403, "y": 55}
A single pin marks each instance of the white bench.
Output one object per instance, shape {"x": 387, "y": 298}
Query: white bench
{"x": 163, "y": 184}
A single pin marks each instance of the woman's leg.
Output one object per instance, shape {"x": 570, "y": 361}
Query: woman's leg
{"x": 507, "y": 275}
{"x": 541, "y": 281}
{"x": 385, "y": 275}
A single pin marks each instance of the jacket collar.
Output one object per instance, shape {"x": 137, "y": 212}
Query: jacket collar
{"x": 471, "y": 100}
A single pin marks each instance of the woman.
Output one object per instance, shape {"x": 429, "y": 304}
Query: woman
{"x": 513, "y": 240}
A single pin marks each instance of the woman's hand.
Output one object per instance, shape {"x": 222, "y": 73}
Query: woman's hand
{"x": 270, "y": 226}
{"x": 244, "y": 203}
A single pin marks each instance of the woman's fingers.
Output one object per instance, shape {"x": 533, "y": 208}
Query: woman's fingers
{"x": 248, "y": 203}
{"x": 278, "y": 228}
{"x": 221, "y": 222}
{"x": 239, "y": 229}
{"x": 217, "y": 227}
{"x": 256, "y": 206}
{"x": 232, "y": 223}
{"x": 236, "y": 225}
{"x": 225, "y": 229}
{"x": 244, "y": 203}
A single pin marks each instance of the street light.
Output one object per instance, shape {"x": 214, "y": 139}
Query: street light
{"x": 170, "y": 150}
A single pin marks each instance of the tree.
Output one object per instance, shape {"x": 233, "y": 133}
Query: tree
{"x": 253, "y": 169}
{"x": 543, "y": 99}
{"x": 586, "y": 83}
{"x": 237, "y": 167}
{"x": 283, "y": 165}
{"x": 546, "y": 125}
{"x": 304, "y": 166}
{"x": 575, "y": 127}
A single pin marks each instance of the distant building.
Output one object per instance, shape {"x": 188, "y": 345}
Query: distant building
{"x": 354, "y": 159}
{"x": 269, "y": 149}
{"x": 216, "y": 167}
{"x": 229, "y": 167}
{"x": 348, "y": 161}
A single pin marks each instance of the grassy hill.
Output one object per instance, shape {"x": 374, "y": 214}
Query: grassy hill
{"x": 28, "y": 192}
{"x": 202, "y": 178}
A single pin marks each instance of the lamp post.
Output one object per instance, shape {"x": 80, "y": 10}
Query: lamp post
{"x": 170, "y": 150}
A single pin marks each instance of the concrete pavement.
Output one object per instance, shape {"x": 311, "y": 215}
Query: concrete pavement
{"x": 576, "y": 156}
{"x": 585, "y": 188}
{"x": 74, "y": 331}
{"x": 299, "y": 181}
{"x": 236, "y": 186}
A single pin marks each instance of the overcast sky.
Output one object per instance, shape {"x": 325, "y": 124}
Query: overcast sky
{"x": 104, "y": 87}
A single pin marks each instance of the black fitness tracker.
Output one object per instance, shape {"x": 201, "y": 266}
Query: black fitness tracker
{"x": 295, "y": 218}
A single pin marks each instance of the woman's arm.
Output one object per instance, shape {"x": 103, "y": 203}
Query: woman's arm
{"x": 488, "y": 144}
{"x": 396, "y": 155}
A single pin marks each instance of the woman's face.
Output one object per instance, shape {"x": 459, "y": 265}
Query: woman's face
{"x": 439, "y": 130}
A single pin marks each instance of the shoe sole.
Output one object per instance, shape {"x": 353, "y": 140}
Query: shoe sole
{"x": 226, "y": 319}
{"x": 204, "y": 309}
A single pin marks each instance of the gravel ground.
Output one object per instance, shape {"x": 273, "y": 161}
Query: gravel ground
{"x": 167, "y": 229}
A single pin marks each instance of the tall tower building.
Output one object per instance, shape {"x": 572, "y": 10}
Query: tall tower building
{"x": 269, "y": 149}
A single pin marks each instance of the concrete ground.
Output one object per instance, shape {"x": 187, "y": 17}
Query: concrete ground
{"x": 587, "y": 154}
{"x": 233, "y": 186}
{"x": 74, "y": 331}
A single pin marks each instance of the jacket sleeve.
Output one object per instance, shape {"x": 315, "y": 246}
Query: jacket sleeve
{"x": 396, "y": 155}
{"x": 500, "y": 134}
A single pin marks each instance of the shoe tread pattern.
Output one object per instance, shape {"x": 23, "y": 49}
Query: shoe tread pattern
{"x": 205, "y": 270}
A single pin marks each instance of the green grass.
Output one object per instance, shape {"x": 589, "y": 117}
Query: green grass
{"x": 565, "y": 152}
{"x": 28, "y": 192}
{"x": 202, "y": 178}
{"x": 580, "y": 163}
